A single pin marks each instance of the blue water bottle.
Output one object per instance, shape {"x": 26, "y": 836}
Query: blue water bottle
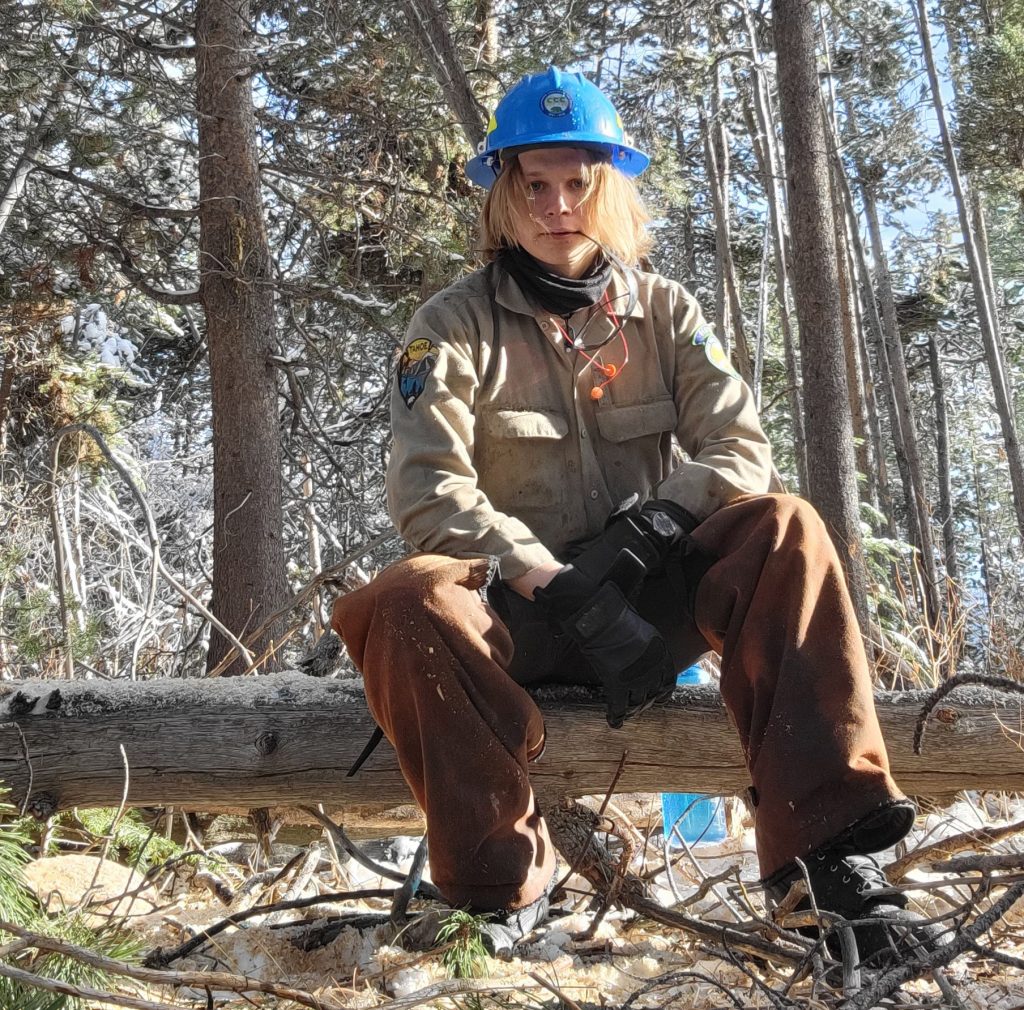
{"x": 696, "y": 817}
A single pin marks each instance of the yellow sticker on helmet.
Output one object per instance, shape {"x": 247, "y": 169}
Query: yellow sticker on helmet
{"x": 492, "y": 124}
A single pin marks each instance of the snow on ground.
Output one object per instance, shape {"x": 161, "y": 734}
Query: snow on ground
{"x": 361, "y": 966}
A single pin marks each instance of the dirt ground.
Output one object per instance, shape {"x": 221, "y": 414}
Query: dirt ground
{"x": 626, "y": 961}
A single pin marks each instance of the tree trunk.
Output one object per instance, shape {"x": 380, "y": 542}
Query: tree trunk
{"x": 831, "y": 469}
{"x": 767, "y": 152}
{"x": 987, "y": 319}
{"x": 877, "y": 477}
{"x": 942, "y": 458}
{"x": 918, "y": 501}
{"x": 847, "y": 295}
{"x": 432, "y": 32}
{"x": 877, "y": 340}
{"x": 729, "y": 312}
{"x": 486, "y": 16}
{"x": 858, "y": 412}
{"x": 38, "y": 135}
{"x": 235, "y": 286}
{"x": 288, "y": 739}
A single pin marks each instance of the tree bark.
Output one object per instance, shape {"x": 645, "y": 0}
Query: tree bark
{"x": 235, "y": 285}
{"x": 432, "y": 32}
{"x": 847, "y": 295}
{"x": 832, "y": 476}
{"x": 766, "y": 151}
{"x": 854, "y": 381}
{"x": 486, "y": 16}
{"x": 945, "y": 516}
{"x": 38, "y": 137}
{"x": 877, "y": 341}
{"x": 918, "y": 500}
{"x": 987, "y": 319}
{"x": 288, "y": 739}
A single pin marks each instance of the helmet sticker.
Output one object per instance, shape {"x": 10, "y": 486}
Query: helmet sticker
{"x": 492, "y": 124}
{"x": 556, "y": 103}
{"x": 414, "y": 368}
{"x": 714, "y": 351}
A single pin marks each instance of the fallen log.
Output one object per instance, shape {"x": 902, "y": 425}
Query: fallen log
{"x": 289, "y": 739}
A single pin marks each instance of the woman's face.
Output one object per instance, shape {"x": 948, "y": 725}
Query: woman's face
{"x": 552, "y": 225}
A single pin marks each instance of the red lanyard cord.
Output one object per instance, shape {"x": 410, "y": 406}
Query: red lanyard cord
{"x": 608, "y": 371}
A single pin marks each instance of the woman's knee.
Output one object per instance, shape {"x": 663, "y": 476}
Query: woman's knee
{"x": 788, "y": 514}
{"x": 414, "y": 590}
{"x": 427, "y": 583}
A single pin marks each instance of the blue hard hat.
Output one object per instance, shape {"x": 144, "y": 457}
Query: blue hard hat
{"x": 554, "y": 108}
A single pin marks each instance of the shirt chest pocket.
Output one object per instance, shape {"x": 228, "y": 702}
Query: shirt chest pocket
{"x": 635, "y": 447}
{"x": 636, "y": 420}
{"x": 520, "y": 458}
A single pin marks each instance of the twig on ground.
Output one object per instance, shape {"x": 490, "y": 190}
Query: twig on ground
{"x": 152, "y": 976}
{"x": 412, "y": 882}
{"x": 983, "y": 864}
{"x": 674, "y": 977}
{"x": 888, "y": 983}
{"x": 449, "y": 988}
{"x": 160, "y": 958}
{"x": 573, "y": 828}
{"x": 898, "y": 869}
{"x": 567, "y": 1002}
{"x": 1000, "y": 958}
{"x": 82, "y": 992}
{"x": 341, "y": 838}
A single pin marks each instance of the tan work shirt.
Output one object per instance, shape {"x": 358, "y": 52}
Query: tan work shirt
{"x": 500, "y": 449}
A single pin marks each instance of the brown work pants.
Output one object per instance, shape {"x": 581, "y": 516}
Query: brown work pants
{"x": 436, "y": 658}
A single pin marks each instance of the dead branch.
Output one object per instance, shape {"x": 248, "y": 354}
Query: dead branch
{"x": 82, "y": 992}
{"x": 983, "y": 864}
{"x": 888, "y": 983}
{"x": 967, "y": 840}
{"x": 151, "y": 976}
{"x": 573, "y": 830}
{"x": 159, "y": 957}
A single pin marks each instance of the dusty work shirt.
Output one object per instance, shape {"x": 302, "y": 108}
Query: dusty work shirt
{"x": 500, "y": 449}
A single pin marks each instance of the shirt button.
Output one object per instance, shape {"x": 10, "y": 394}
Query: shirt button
{"x": 583, "y": 433}
{"x": 593, "y": 494}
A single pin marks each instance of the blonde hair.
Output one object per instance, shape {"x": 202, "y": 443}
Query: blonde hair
{"x": 615, "y": 216}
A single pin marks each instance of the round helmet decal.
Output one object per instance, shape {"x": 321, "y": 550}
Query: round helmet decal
{"x": 556, "y": 103}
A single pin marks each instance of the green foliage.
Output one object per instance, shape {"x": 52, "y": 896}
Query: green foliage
{"x": 31, "y": 625}
{"x": 992, "y": 116}
{"x": 466, "y": 957}
{"x": 133, "y": 843}
{"x": 885, "y": 561}
{"x": 58, "y": 966}
{"x": 18, "y": 907}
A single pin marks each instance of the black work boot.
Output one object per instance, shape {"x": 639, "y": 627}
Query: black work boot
{"x": 502, "y": 932}
{"x": 851, "y": 884}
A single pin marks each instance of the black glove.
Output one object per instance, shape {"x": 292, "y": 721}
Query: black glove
{"x": 626, "y": 652}
{"x": 650, "y": 533}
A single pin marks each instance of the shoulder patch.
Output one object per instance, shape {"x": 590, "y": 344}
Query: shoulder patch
{"x": 714, "y": 351}
{"x": 414, "y": 368}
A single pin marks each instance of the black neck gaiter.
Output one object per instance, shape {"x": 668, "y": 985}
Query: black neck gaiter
{"x": 561, "y": 295}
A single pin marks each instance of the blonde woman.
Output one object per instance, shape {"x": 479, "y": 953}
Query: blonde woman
{"x": 534, "y": 414}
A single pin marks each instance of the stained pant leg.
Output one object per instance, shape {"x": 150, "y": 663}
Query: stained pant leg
{"x": 434, "y": 658}
{"x": 794, "y": 675}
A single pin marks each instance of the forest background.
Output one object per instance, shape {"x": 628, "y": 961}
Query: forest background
{"x": 217, "y": 219}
